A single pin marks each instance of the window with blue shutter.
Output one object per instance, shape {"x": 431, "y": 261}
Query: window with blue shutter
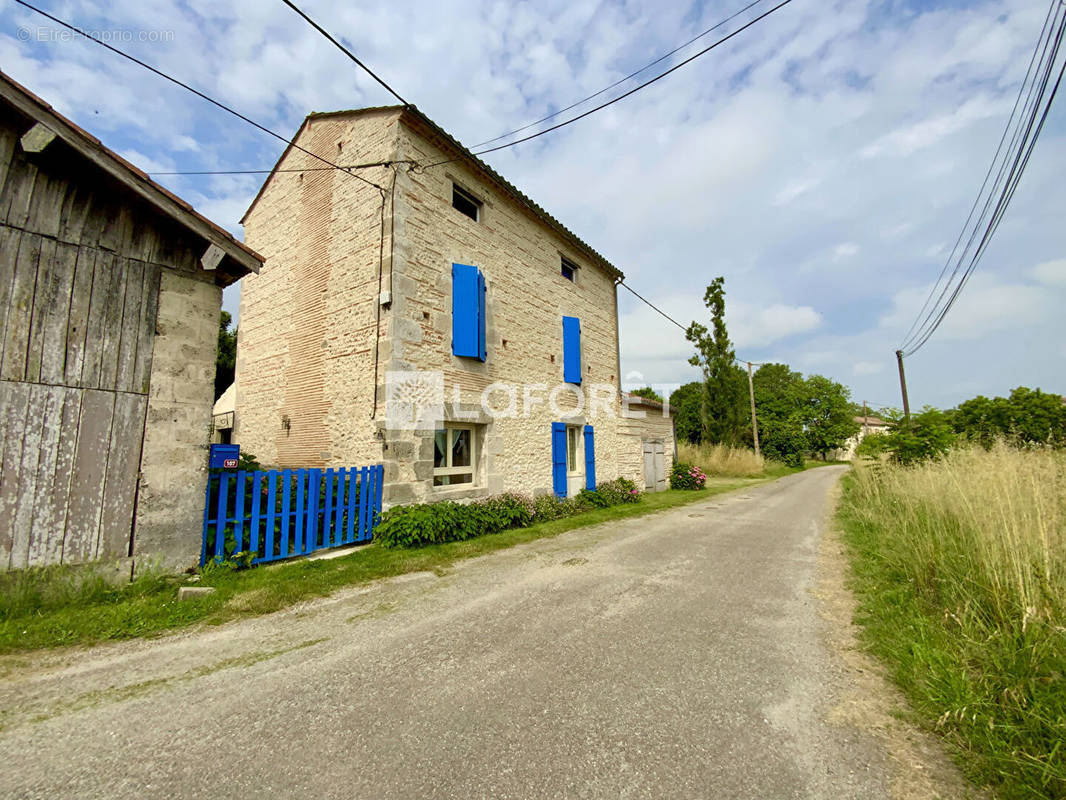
{"x": 590, "y": 460}
{"x": 571, "y": 350}
{"x": 559, "y": 459}
{"x": 468, "y": 312}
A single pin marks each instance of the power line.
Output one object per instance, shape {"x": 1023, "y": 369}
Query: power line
{"x": 197, "y": 92}
{"x": 623, "y": 96}
{"x": 344, "y": 50}
{"x": 659, "y": 311}
{"x": 621, "y": 81}
{"x": 1027, "y": 131}
{"x": 344, "y": 167}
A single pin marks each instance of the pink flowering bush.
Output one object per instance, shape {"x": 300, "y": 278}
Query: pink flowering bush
{"x": 687, "y": 476}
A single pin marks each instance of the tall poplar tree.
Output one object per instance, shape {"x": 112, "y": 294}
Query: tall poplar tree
{"x": 723, "y": 408}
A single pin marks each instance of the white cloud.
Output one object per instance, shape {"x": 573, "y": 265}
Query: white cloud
{"x": 813, "y": 160}
{"x": 1052, "y": 273}
{"x": 867, "y": 367}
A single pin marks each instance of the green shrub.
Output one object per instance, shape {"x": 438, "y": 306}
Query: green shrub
{"x": 618, "y": 491}
{"x": 686, "y": 476}
{"x": 447, "y": 521}
{"x": 548, "y": 507}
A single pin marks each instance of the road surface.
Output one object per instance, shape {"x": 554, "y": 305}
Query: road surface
{"x": 678, "y": 655}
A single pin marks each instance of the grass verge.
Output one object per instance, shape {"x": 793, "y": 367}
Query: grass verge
{"x": 959, "y": 567}
{"x": 46, "y": 608}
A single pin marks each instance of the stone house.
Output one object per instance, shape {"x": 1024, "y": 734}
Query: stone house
{"x": 110, "y": 294}
{"x": 426, "y": 273}
{"x": 869, "y": 426}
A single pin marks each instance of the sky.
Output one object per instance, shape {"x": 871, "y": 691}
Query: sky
{"x": 823, "y": 161}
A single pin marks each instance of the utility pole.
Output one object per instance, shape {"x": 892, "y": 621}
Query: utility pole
{"x": 903, "y": 386}
{"x": 754, "y": 421}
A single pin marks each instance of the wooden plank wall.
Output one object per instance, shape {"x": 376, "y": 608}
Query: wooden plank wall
{"x": 80, "y": 264}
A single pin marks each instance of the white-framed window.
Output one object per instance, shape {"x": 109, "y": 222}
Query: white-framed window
{"x": 573, "y": 450}
{"x": 568, "y": 269}
{"x": 466, "y": 203}
{"x": 454, "y": 455}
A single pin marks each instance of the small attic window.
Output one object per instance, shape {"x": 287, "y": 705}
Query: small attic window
{"x": 466, "y": 203}
{"x": 568, "y": 270}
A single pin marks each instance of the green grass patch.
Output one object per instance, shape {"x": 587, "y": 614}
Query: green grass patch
{"x": 958, "y": 570}
{"x": 58, "y": 606}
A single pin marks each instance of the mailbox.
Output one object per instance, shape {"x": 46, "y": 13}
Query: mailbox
{"x": 224, "y": 456}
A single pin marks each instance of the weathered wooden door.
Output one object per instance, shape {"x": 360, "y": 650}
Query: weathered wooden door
{"x": 75, "y": 360}
{"x": 654, "y": 466}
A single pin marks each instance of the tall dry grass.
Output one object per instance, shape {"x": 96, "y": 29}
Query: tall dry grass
{"x": 960, "y": 567}
{"x": 721, "y": 460}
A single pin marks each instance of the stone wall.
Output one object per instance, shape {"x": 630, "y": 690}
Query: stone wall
{"x": 170, "y": 495}
{"x": 309, "y": 321}
{"x": 527, "y": 298}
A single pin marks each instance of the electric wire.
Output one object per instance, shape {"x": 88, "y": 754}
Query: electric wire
{"x": 619, "y": 82}
{"x": 623, "y": 96}
{"x": 984, "y": 184}
{"x": 197, "y": 92}
{"x": 1026, "y": 132}
{"x": 344, "y": 50}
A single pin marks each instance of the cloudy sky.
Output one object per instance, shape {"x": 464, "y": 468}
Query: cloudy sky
{"x": 822, "y": 161}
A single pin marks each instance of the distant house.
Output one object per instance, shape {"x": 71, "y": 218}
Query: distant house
{"x": 445, "y": 271}
{"x": 110, "y": 294}
{"x": 870, "y": 426}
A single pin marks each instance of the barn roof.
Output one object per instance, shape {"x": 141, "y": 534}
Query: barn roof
{"x": 243, "y": 259}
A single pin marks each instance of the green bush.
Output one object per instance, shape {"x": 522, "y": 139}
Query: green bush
{"x": 686, "y": 476}
{"x": 618, "y": 491}
{"x": 447, "y": 521}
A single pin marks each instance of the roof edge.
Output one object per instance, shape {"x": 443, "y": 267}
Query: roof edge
{"x": 135, "y": 179}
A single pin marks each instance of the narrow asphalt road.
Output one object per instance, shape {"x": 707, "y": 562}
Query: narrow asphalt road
{"x": 679, "y": 655}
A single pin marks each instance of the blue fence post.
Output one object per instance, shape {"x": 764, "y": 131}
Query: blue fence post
{"x": 338, "y": 514}
{"x": 238, "y": 512}
{"x": 364, "y": 501}
{"x": 272, "y": 500}
{"x": 313, "y": 481}
{"x": 379, "y": 476}
{"x": 286, "y": 495}
{"x": 220, "y": 516}
{"x": 253, "y": 518}
{"x": 353, "y": 494}
{"x": 299, "y": 534}
{"x": 327, "y": 511}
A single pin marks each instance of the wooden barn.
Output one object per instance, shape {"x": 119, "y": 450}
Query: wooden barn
{"x": 110, "y": 293}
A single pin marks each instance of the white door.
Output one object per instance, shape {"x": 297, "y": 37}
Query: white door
{"x": 575, "y": 460}
{"x": 654, "y": 466}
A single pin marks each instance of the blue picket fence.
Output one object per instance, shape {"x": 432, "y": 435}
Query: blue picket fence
{"x": 279, "y": 514}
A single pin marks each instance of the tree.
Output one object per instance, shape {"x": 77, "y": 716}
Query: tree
{"x": 685, "y": 402}
{"x": 829, "y": 417}
{"x": 1028, "y": 415}
{"x": 780, "y": 398}
{"x": 226, "y": 360}
{"x": 723, "y": 410}
{"x": 928, "y": 434}
{"x": 648, "y": 394}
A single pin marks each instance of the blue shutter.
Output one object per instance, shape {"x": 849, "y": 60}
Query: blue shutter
{"x": 559, "y": 458}
{"x": 571, "y": 350}
{"x": 590, "y": 459}
{"x": 468, "y": 312}
{"x": 481, "y": 316}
